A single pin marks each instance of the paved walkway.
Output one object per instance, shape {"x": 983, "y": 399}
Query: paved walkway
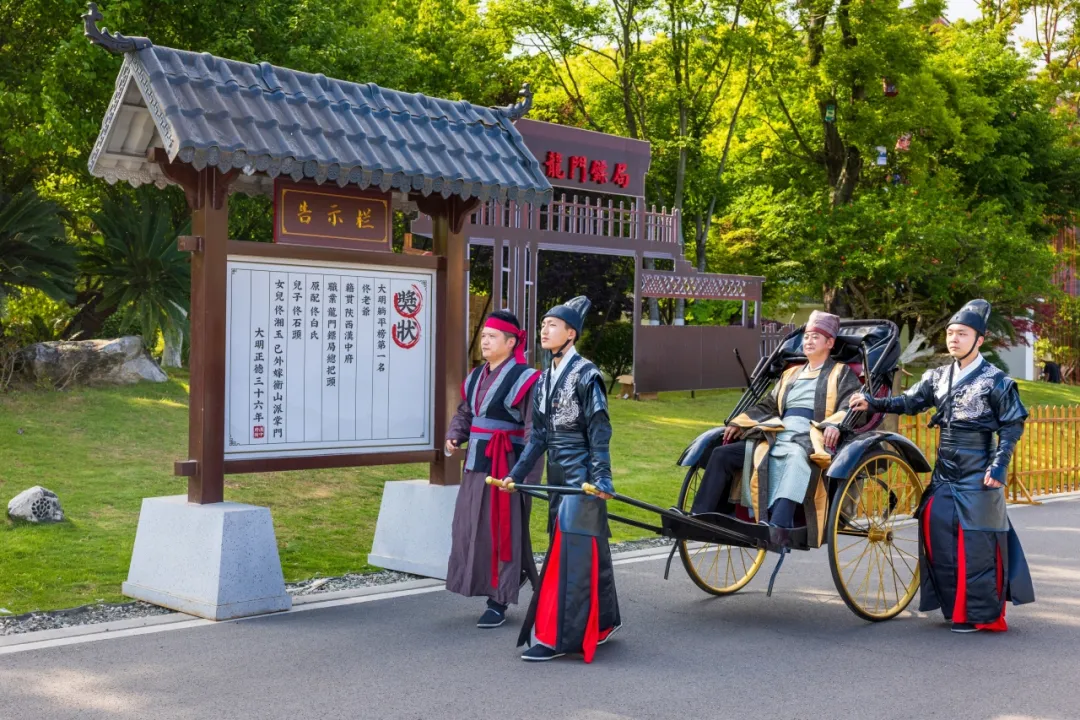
{"x": 682, "y": 654}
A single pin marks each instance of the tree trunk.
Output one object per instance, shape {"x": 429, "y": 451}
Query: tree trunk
{"x": 89, "y": 318}
{"x": 915, "y": 350}
{"x": 836, "y": 301}
{"x": 174, "y": 344}
{"x": 654, "y": 303}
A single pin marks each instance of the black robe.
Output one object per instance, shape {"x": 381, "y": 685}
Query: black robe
{"x": 969, "y": 554}
{"x": 576, "y": 607}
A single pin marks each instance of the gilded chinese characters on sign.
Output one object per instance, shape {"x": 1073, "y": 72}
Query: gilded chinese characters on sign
{"x": 328, "y": 216}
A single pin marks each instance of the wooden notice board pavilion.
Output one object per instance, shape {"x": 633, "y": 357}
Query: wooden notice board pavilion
{"x": 339, "y": 158}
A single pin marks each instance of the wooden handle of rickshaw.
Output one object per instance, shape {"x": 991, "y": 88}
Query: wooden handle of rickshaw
{"x": 507, "y": 485}
{"x": 590, "y": 489}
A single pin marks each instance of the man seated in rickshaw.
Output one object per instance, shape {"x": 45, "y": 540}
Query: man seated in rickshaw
{"x": 771, "y": 459}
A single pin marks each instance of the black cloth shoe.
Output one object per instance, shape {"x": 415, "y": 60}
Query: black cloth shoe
{"x": 491, "y": 618}
{"x": 964, "y": 628}
{"x": 540, "y": 653}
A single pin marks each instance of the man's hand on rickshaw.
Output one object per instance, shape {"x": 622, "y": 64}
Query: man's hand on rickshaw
{"x": 595, "y": 492}
{"x": 506, "y": 484}
{"x": 832, "y": 438}
{"x": 859, "y": 402}
{"x": 732, "y": 433}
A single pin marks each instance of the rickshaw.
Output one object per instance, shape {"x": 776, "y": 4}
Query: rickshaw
{"x": 872, "y": 484}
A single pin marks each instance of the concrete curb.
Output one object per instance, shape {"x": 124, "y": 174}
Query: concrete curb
{"x": 126, "y": 628}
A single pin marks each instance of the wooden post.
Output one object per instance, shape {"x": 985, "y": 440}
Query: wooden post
{"x": 450, "y": 362}
{"x": 639, "y": 258}
{"x": 207, "y": 192}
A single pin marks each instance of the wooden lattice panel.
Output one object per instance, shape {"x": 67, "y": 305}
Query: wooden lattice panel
{"x": 700, "y": 286}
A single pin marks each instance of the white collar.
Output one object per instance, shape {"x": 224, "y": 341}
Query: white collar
{"x": 974, "y": 365}
{"x": 958, "y": 374}
{"x": 557, "y": 370}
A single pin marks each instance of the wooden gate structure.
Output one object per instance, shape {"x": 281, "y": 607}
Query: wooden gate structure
{"x": 607, "y": 215}
{"x": 350, "y": 154}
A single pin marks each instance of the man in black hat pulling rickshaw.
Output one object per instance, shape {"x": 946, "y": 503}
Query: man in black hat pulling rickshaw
{"x": 970, "y": 557}
{"x": 575, "y": 609}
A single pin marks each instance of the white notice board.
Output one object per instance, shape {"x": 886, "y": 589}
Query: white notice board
{"x": 327, "y": 359}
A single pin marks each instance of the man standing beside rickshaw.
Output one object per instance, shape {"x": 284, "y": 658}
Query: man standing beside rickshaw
{"x": 971, "y": 561}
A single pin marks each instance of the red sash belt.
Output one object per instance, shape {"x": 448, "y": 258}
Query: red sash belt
{"x": 500, "y": 449}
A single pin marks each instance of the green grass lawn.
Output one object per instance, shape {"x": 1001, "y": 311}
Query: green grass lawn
{"x": 102, "y": 451}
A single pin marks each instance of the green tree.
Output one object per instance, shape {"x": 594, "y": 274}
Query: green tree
{"x": 34, "y": 252}
{"x": 133, "y": 266}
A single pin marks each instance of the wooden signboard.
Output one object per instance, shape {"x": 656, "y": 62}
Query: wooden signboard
{"x": 329, "y": 216}
{"x": 584, "y": 160}
{"x": 328, "y": 358}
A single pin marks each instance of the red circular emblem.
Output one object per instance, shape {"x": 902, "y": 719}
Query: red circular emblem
{"x": 406, "y": 333}
{"x": 408, "y": 303}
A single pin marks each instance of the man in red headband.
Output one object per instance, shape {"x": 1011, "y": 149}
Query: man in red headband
{"x": 491, "y": 555}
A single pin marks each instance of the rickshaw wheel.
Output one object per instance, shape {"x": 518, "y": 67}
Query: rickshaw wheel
{"x": 716, "y": 569}
{"x": 874, "y": 538}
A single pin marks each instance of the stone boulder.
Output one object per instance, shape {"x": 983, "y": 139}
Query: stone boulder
{"x": 36, "y": 505}
{"x": 123, "y": 361}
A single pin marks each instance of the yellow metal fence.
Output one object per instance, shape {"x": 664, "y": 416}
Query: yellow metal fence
{"x": 1046, "y": 461}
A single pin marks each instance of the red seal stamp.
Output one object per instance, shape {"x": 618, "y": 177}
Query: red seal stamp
{"x": 408, "y": 303}
{"x": 406, "y": 333}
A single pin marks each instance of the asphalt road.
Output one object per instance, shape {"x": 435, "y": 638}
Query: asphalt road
{"x": 681, "y": 654}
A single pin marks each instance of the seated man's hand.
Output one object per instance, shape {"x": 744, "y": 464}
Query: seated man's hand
{"x": 732, "y": 433}
{"x": 859, "y": 402}
{"x": 832, "y": 438}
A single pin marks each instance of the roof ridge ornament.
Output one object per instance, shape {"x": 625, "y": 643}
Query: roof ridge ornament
{"x": 520, "y": 107}
{"x": 101, "y": 36}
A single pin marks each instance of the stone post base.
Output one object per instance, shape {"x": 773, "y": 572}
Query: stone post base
{"x": 217, "y": 561}
{"x": 413, "y": 531}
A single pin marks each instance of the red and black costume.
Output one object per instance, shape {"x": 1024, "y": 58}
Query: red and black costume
{"x": 490, "y": 551}
{"x": 576, "y": 607}
{"x": 971, "y": 561}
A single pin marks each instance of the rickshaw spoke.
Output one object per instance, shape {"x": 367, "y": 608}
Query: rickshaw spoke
{"x": 715, "y": 566}
{"x": 896, "y": 576}
{"x": 864, "y": 586}
{"x": 881, "y": 579}
{"x": 845, "y": 549}
{"x": 729, "y": 565}
{"x": 860, "y": 557}
{"x": 902, "y": 553}
{"x": 905, "y": 552}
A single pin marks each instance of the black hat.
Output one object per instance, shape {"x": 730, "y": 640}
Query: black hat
{"x": 975, "y": 315}
{"x": 572, "y": 312}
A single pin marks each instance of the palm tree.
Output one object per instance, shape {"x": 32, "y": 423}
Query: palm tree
{"x": 34, "y": 252}
{"x": 135, "y": 267}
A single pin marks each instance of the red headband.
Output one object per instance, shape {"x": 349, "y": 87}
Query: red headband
{"x": 502, "y": 326}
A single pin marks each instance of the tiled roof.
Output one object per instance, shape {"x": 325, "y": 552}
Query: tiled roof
{"x": 267, "y": 120}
